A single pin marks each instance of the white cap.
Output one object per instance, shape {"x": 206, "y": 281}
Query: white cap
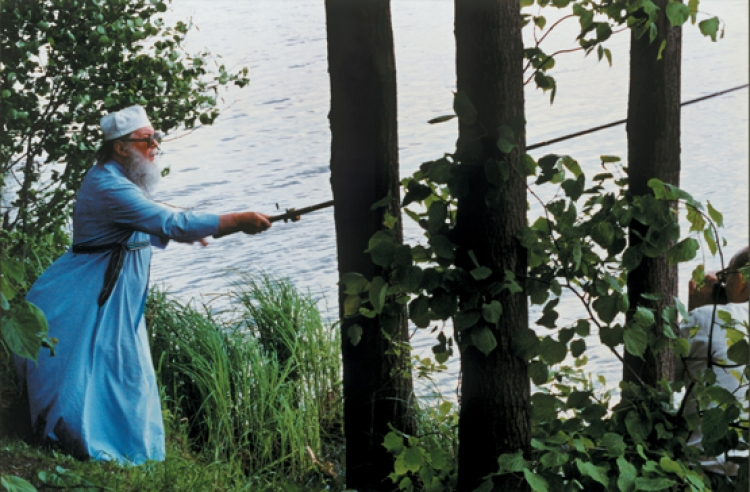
{"x": 123, "y": 122}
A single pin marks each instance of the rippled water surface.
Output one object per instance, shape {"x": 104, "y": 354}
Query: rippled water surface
{"x": 271, "y": 144}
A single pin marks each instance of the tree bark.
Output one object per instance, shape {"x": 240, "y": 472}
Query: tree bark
{"x": 364, "y": 169}
{"x": 653, "y": 130}
{"x": 495, "y": 392}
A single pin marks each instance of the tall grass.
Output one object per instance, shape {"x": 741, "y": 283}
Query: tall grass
{"x": 256, "y": 384}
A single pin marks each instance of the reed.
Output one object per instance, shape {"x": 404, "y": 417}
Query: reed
{"x": 254, "y": 385}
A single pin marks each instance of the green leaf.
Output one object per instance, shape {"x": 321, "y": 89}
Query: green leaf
{"x": 577, "y": 347}
{"x": 436, "y": 215}
{"x": 483, "y": 338}
{"x": 441, "y": 119}
{"x": 510, "y": 282}
{"x": 680, "y": 347}
{"x": 554, "y": 459}
{"x": 681, "y": 307}
{"x": 551, "y": 351}
{"x": 583, "y": 328}
{"x": 382, "y": 248}
{"x": 738, "y": 352}
{"x": 644, "y": 317}
{"x": 662, "y": 46}
{"x": 351, "y": 305}
{"x": 23, "y": 328}
{"x": 695, "y": 217}
{"x": 466, "y": 319}
{"x": 572, "y": 165}
{"x": 354, "y": 332}
{"x": 708, "y": 235}
{"x": 511, "y": 462}
{"x": 632, "y": 258}
{"x": 543, "y": 407}
{"x": 606, "y": 308}
{"x": 7, "y": 289}
{"x": 685, "y": 250}
{"x": 355, "y": 283}
{"x": 598, "y": 473}
{"x": 419, "y": 311}
{"x": 693, "y": 6}
{"x": 413, "y": 459}
{"x": 671, "y": 466}
{"x": 709, "y": 27}
{"x": 548, "y": 319}
{"x": 615, "y": 444}
{"x": 415, "y": 192}
{"x": 526, "y": 343}
{"x": 383, "y": 202}
{"x": 464, "y": 108}
{"x": 636, "y": 340}
{"x": 491, "y": 312}
{"x": 377, "y": 294}
{"x": 496, "y": 171}
{"x": 652, "y": 484}
{"x": 13, "y": 270}
{"x": 715, "y": 215}
{"x": 611, "y": 337}
{"x": 603, "y": 234}
{"x": 438, "y": 171}
{"x": 481, "y": 273}
{"x": 442, "y": 246}
{"x": 11, "y": 483}
{"x": 677, "y": 13}
{"x": 638, "y": 428}
{"x": 538, "y": 372}
{"x": 536, "y": 482}
{"x": 714, "y": 424}
{"x": 628, "y": 473}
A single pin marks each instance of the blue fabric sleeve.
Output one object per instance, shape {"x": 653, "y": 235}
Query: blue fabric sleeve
{"x": 159, "y": 242}
{"x": 130, "y": 208}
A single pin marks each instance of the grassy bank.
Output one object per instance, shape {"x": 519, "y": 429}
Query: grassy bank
{"x": 251, "y": 400}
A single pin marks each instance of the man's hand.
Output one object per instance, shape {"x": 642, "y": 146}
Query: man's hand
{"x": 247, "y": 222}
{"x": 703, "y": 296}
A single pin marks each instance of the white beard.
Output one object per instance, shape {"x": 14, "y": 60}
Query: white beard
{"x": 141, "y": 171}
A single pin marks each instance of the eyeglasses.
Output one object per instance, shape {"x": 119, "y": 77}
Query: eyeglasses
{"x": 155, "y": 138}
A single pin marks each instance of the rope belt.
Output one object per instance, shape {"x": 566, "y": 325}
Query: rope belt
{"x": 116, "y": 261}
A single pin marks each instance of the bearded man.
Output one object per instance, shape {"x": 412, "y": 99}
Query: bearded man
{"x": 98, "y": 397}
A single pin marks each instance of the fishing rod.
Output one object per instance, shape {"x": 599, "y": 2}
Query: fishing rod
{"x": 294, "y": 214}
{"x": 621, "y": 122}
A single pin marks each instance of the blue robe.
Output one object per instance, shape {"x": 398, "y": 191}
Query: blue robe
{"x": 98, "y": 395}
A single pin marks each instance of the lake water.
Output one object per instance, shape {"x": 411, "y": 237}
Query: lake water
{"x": 271, "y": 144}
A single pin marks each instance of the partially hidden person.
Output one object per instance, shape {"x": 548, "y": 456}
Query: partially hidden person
{"x": 727, "y": 290}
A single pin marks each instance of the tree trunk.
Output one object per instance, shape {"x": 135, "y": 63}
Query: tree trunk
{"x": 495, "y": 392}
{"x": 364, "y": 169}
{"x": 653, "y": 130}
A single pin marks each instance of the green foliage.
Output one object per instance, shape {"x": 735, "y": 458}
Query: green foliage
{"x": 426, "y": 461}
{"x": 22, "y": 325}
{"x": 16, "y": 484}
{"x": 257, "y": 385}
{"x": 598, "y": 22}
{"x": 577, "y": 249}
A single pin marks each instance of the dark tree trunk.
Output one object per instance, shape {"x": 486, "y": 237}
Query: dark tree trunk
{"x": 364, "y": 169}
{"x": 653, "y": 129}
{"x": 495, "y": 391}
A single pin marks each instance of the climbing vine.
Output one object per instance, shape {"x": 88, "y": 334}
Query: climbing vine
{"x": 577, "y": 252}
